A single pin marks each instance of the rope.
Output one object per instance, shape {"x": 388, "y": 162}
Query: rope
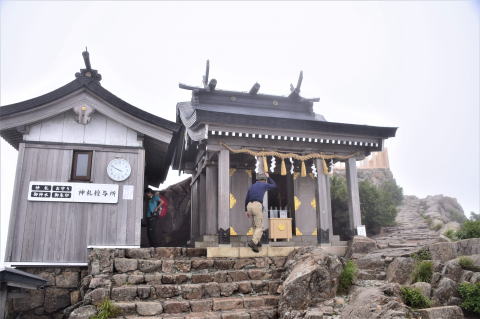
{"x": 284, "y": 156}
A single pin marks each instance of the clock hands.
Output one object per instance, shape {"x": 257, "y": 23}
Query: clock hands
{"x": 117, "y": 168}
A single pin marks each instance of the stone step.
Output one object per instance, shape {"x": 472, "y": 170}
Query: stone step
{"x": 195, "y": 264}
{"x": 192, "y": 291}
{"x": 192, "y": 308}
{"x": 201, "y": 277}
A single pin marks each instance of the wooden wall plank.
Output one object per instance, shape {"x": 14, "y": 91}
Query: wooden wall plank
{"x": 223, "y": 190}
{"x": 73, "y": 132}
{"x": 305, "y": 215}
{"x": 355, "y": 218}
{"x": 95, "y": 133}
{"x": 137, "y": 204}
{"x": 116, "y": 133}
{"x": 240, "y": 181}
{"x": 52, "y": 129}
{"x": 14, "y": 215}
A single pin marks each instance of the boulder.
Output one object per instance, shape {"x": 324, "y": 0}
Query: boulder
{"x": 446, "y": 289}
{"x": 373, "y": 303}
{"x": 446, "y": 312}
{"x": 360, "y": 245}
{"x": 311, "y": 276}
{"x": 400, "y": 270}
{"x": 84, "y": 312}
{"x": 68, "y": 279}
{"x": 468, "y": 247}
{"x": 443, "y": 251}
{"x": 149, "y": 308}
{"x": 424, "y": 287}
{"x": 452, "y": 270}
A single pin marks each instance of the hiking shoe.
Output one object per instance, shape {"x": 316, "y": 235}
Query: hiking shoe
{"x": 252, "y": 245}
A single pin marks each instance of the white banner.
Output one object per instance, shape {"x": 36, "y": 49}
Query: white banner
{"x": 73, "y": 192}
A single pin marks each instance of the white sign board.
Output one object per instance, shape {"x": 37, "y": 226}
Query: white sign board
{"x": 361, "y": 231}
{"x": 128, "y": 192}
{"x": 73, "y": 192}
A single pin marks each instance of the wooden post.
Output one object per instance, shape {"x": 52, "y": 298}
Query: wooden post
{"x": 3, "y": 300}
{"x": 355, "y": 218}
{"x": 223, "y": 197}
{"x": 211, "y": 199}
{"x": 324, "y": 207}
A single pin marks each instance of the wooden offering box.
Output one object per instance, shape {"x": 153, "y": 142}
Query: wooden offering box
{"x": 280, "y": 228}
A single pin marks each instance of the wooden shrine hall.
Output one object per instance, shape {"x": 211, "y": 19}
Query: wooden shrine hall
{"x": 229, "y": 136}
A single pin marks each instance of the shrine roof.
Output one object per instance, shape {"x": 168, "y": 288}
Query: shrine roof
{"x": 92, "y": 85}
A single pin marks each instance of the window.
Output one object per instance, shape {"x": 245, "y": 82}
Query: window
{"x": 82, "y": 165}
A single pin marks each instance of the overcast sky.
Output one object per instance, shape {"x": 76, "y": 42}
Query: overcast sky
{"x": 409, "y": 64}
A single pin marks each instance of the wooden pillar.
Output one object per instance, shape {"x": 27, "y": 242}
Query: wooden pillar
{"x": 355, "y": 218}
{"x": 324, "y": 206}
{"x": 211, "y": 199}
{"x": 3, "y": 300}
{"x": 223, "y": 197}
{"x": 202, "y": 191}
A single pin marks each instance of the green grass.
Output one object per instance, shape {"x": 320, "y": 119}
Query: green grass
{"x": 470, "y": 294}
{"x": 347, "y": 277}
{"x": 469, "y": 229}
{"x": 468, "y": 264}
{"x": 451, "y": 234}
{"x": 422, "y": 254}
{"x": 106, "y": 310}
{"x": 413, "y": 297}
{"x": 423, "y": 271}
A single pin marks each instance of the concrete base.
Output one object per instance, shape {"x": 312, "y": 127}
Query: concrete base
{"x": 229, "y": 251}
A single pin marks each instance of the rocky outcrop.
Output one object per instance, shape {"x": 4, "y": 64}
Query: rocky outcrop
{"x": 446, "y": 312}
{"x": 450, "y": 250}
{"x": 376, "y": 303}
{"x": 310, "y": 277}
{"x": 400, "y": 270}
{"x": 360, "y": 245}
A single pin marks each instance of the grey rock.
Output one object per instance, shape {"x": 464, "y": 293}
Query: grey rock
{"x": 97, "y": 282}
{"x": 311, "y": 276}
{"x": 452, "y": 270}
{"x": 32, "y": 300}
{"x": 67, "y": 279}
{"x": 446, "y": 288}
{"x": 443, "y": 251}
{"x": 424, "y": 287}
{"x": 139, "y": 253}
{"x": 126, "y": 308}
{"x": 360, "y": 245}
{"x": 446, "y": 312}
{"x": 84, "y": 312}
{"x": 149, "y": 308}
{"x": 400, "y": 270}
{"x": 125, "y": 264}
{"x": 56, "y": 299}
{"x": 96, "y": 296}
{"x": 372, "y": 303}
{"x": 120, "y": 279}
{"x": 124, "y": 293}
{"x": 146, "y": 265}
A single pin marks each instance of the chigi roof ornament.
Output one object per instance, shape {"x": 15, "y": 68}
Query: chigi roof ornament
{"x": 88, "y": 72}
{"x": 210, "y": 86}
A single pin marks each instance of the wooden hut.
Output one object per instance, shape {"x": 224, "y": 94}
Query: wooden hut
{"x": 228, "y": 136}
{"x": 84, "y": 158}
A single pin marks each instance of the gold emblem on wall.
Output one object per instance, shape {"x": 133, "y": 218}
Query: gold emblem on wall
{"x": 314, "y": 203}
{"x": 298, "y": 232}
{"x": 314, "y": 233}
{"x": 233, "y": 201}
{"x": 233, "y": 232}
{"x": 297, "y": 203}
{"x": 250, "y": 232}
{"x": 281, "y": 226}
{"x": 249, "y": 172}
{"x": 232, "y": 171}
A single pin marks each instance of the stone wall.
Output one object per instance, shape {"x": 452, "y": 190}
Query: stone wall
{"x": 63, "y": 291}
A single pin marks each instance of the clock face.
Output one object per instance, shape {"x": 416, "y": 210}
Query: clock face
{"x": 119, "y": 169}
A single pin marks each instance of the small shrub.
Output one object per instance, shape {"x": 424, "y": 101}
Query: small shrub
{"x": 422, "y": 254}
{"x": 470, "y": 294}
{"x": 106, "y": 310}
{"x": 467, "y": 263}
{"x": 469, "y": 229}
{"x": 423, "y": 271}
{"x": 450, "y": 233}
{"x": 347, "y": 277}
{"x": 413, "y": 297}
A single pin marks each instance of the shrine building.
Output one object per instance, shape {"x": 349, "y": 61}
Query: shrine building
{"x": 84, "y": 158}
{"x": 229, "y": 136}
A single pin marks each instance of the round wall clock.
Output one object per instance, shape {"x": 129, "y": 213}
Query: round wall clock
{"x": 119, "y": 169}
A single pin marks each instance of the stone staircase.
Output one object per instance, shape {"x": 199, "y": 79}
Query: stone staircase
{"x": 184, "y": 283}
